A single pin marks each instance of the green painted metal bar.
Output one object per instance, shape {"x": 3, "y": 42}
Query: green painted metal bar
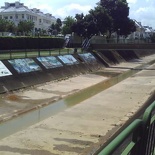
{"x": 109, "y": 149}
{"x": 128, "y": 148}
{"x": 152, "y": 119}
{"x": 147, "y": 114}
{"x": 145, "y": 123}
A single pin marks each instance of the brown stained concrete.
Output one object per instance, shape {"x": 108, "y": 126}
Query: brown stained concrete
{"x": 79, "y": 129}
{"x": 17, "y": 101}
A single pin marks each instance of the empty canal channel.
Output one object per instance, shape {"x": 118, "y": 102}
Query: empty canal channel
{"x": 55, "y": 102}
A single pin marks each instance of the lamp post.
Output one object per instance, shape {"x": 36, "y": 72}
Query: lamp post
{"x": 118, "y": 33}
{"x": 86, "y": 32}
{"x": 81, "y": 39}
{"x": 38, "y": 33}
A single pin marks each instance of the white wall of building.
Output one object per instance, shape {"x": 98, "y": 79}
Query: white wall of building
{"x": 17, "y": 12}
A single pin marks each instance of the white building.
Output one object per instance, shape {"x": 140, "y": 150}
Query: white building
{"x": 17, "y": 12}
{"x": 142, "y": 32}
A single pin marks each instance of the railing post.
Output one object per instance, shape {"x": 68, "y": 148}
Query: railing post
{"x": 147, "y": 133}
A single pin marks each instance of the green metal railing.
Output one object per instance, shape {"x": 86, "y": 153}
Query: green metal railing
{"x": 137, "y": 139}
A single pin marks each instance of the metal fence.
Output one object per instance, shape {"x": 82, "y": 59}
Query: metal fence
{"x": 137, "y": 139}
{"x": 14, "y": 54}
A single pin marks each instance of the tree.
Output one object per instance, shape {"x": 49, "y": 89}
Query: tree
{"x": 90, "y": 26}
{"x": 25, "y": 26}
{"x": 55, "y": 28}
{"x": 11, "y": 27}
{"x": 84, "y": 26}
{"x": 68, "y": 22}
{"x": 58, "y": 25}
{"x": 102, "y": 19}
{"x": 78, "y": 26}
{"x": 94, "y": 23}
{"x": 108, "y": 17}
{"x": 59, "y": 22}
{"x": 118, "y": 10}
{"x": 7, "y": 26}
{"x": 51, "y": 28}
{"x": 3, "y": 27}
{"x": 79, "y": 17}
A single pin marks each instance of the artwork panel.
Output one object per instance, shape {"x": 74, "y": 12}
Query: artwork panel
{"x": 24, "y": 65}
{"x": 88, "y": 57}
{"x": 4, "y": 70}
{"x": 50, "y": 62}
{"x": 68, "y": 59}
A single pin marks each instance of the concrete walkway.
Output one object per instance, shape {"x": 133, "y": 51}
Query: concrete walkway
{"x": 78, "y": 129}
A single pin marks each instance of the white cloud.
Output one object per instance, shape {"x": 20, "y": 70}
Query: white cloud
{"x": 72, "y": 10}
{"x": 62, "y": 11}
{"x": 145, "y": 15}
{"x": 132, "y": 1}
{"x": 146, "y": 12}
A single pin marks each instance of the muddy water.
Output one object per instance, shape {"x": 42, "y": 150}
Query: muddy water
{"x": 18, "y": 123}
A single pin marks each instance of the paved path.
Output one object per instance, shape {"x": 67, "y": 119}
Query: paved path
{"x": 76, "y": 129}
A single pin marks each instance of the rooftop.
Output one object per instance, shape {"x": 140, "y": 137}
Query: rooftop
{"x": 19, "y": 7}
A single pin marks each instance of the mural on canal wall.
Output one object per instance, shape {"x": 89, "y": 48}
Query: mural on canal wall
{"x": 88, "y": 57}
{"x": 3, "y": 70}
{"x": 50, "y": 62}
{"x": 68, "y": 59}
{"x": 24, "y": 65}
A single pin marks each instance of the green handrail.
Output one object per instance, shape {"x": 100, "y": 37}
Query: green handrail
{"x": 147, "y": 114}
{"x": 144, "y": 123}
{"x": 109, "y": 149}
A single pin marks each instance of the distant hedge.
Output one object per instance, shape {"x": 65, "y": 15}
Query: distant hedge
{"x": 15, "y": 43}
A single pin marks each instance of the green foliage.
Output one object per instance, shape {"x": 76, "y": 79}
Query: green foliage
{"x": 118, "y": 10}
{"x": 15, "y": 43}
{"x": 11, "y": 27}
{"x": 59, "y": 22}
{"x": 108, "y": 17}
{"x": 7, "y": 26}
{"x": 25, "y": 26}
{"x": 55, "y": 28}
{"x": 102, "y": 19}
{"x": 85, "y": 26}
{"x": 68, "y": 22}
{"x": 51, "y": 28}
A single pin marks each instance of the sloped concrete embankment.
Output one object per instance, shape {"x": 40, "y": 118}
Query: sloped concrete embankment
{"x": 112, "y": 57}
{"x": 104, "y": 58}
{"x": 17, "y": 81}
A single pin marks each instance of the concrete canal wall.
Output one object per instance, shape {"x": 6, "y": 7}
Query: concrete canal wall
{"x": 80, "y": 128}
{"x": 21, "y": 73}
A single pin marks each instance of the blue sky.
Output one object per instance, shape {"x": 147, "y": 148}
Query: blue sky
{"x": 141, "y": 10}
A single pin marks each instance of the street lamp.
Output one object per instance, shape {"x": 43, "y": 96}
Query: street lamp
{"x": 38, "y": 33}
{"x": 81, "y": 43}
{"x": 86, "y": 32}
{"x": 118, "y": 33}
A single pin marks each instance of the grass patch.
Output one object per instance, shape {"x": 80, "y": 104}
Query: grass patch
{"x": 35, "y": 53}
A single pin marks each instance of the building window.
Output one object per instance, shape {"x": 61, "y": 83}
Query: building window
{"x": 0, "y": 17}
{"x": 16, "y": 16}
{"x": 23, "y": 16}
{"x": 6, "y": 17}
{"x": 39, "y": 20}
{"x": 10, "y": 17}
{"x": 28, "y": 17}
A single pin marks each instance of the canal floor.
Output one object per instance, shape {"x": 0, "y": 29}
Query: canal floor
{"x": 79, "y": 129}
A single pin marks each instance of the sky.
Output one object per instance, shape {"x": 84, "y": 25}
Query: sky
{"x": 141, "y": 10}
